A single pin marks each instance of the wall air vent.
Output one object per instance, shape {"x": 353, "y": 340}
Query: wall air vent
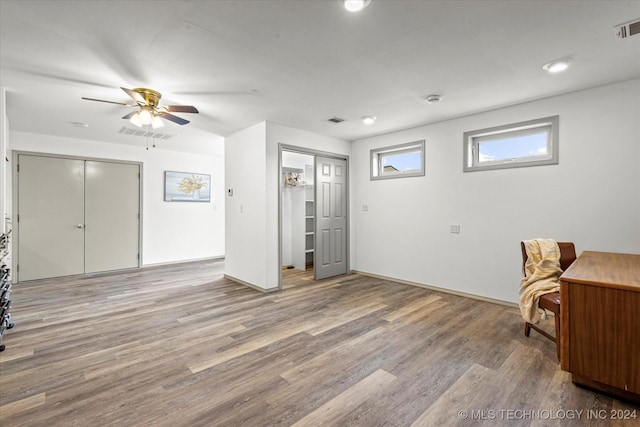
{"x": 335, "y": 120}
{"x": 627, "y": 29}
{"x": 144, "y": 133}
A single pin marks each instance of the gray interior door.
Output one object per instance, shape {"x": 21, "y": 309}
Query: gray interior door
{"x": 112, "y": 200}
{"x": 50, "y": 217}
{"x": 76, "y": 216}
{"x": 331, "y": 218}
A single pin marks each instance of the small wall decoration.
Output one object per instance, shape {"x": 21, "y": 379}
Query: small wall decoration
{"x": 187, "y": 187}
{"x": 293, "y": 179}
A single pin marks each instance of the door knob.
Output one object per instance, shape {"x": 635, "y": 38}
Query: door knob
{"x": 80, "y": 225}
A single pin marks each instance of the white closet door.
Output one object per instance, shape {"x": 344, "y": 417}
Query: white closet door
{"x": 50, "y": 217}
{"x": 112, "y": 206}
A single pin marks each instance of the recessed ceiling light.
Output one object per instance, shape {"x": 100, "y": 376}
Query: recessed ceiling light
{"x": 433, "y": 99}
{"x": 556, "y": 66}
{"x": 79, "y": 124}
{"x": 368, "y": 120}
{"x": 355, "y": 5}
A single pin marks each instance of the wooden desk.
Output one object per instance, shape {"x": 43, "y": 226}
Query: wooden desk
{"x": 600, "y": 323}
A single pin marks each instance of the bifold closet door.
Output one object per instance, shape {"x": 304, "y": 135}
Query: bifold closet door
{"x": 112, "y": 199}
{"x": 76, "y": 216}
{"x": 50, "y": 217}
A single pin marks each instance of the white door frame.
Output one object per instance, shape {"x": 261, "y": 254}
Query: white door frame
{"x": 14, "y": 196}
{"x": 314, "y": 153}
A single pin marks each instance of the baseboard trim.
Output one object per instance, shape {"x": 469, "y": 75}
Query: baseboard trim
{"x": 250, "y": 285}
{"x": 127, "y": 270}
{"x": 438, "y": 289}
{"x": 186, "y": 261}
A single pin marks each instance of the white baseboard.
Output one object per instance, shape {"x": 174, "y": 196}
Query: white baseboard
{"x": 185, "y": 261}
{"x": 444, "y": 290}
{"x": 252, "y": 286}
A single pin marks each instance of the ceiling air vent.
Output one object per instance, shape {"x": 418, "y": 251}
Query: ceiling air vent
{"x": 627, "y": 29}
{"x": 144, "y": 133}
{"x": 335, "y": 120}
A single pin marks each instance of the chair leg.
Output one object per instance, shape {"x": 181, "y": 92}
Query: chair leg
{"x": 557, "y": 318}
{"x": 528, "y": 326}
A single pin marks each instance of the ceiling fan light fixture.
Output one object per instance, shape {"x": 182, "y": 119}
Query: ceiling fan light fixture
{"x": 135, "y": 120}
{"x": 156, "y": 122}
{"x": 355, "y": 5}
{"x": 145, "y": 116}
{"x": 149, "y": 113}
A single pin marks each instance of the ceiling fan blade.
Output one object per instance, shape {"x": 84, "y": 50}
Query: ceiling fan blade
{"x": 131, "y": 114}
{"x": 135, "y": 96}
{"x": 109, "y": 102}
{"x": 181, "y": 108}
{"x": 173, "y": 118}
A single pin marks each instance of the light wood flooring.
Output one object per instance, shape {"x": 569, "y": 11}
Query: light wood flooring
{"x": 182, "y": 346}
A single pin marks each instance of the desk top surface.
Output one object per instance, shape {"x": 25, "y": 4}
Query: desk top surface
{"x": 605, "y": 269}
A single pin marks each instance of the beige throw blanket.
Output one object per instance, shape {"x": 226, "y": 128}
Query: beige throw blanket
{"x": 542, "y": 270}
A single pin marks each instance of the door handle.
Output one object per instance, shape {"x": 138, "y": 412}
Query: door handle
{"x": 80, "y": 225}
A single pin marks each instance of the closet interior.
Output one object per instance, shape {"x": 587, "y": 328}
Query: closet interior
{"x": 298, "y": 210}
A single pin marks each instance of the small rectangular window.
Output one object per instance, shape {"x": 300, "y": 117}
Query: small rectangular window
{"x": 398, "y": 161}
{"x": 531, "y": 143}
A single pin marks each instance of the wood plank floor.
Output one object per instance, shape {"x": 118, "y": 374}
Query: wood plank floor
{"x": 182, "y": 346}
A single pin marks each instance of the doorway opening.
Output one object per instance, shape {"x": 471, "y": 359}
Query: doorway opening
{"x": 313, "y": 212}
{"x": 297, "y": 215}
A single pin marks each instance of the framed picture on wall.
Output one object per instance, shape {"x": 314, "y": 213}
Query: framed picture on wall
{"x": 187, "y": 187}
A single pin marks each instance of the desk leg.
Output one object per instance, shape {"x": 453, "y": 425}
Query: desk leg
{"x": 563, "y": 335}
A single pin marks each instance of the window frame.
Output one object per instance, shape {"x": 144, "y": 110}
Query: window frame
{"x": 378, "y": 154}
{"x": 472, "y": 140}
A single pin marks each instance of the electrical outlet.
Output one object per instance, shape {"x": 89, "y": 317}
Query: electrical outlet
{"x": 454, "y": 228}
{"x": 365, "y": 208}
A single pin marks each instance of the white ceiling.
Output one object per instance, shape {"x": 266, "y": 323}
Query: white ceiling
{"x": 299, "y": 62}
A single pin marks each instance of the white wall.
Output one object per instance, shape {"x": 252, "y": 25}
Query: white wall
{"x": 286, "y": 198}
{"x": 172, "y": 232}
{"x": 251, "y": 159}
{"x": 245, "y": 173}
{"x": 4, "y": 154}
{"x": 592, "y": 197}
